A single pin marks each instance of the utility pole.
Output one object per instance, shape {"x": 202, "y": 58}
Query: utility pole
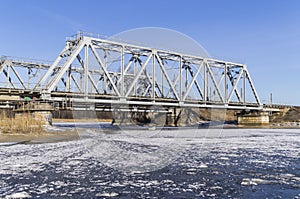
{"x": 271, "y": 98}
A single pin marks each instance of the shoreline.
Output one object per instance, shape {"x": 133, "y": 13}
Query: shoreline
{"x": 203, "y": 125}
{"x": 71, "y": 134}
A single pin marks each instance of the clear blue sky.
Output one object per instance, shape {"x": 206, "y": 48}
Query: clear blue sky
{"x": 263, "y": 34}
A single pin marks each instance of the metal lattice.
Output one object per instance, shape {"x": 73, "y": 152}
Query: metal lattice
{"x": 96, "y": 70}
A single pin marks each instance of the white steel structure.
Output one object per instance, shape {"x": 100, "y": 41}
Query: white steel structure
{"x": 102, "y": 71}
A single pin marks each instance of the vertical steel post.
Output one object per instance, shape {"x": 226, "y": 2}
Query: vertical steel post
{"x": 39, "y": 73}
{"x": 205, "y": 80}
{"x": 180, "y": 78}
{"x": 86, "y": 88}
{"x": 226, "y": 86}
{"x": 186, "y": 77}
{"x": 81, "y": 82}
{"x": 68, "y": 79}
{"x": 162, "y": 84}
{"x": 8, "y": 76}
{"x": 28, "y": 73}
{"x": 134, "y": 74}
{"x": 153, "y": 76}
{"x": 122, "y": 72}
{"x": 244, "y": 85}
{"x": 104, "y": 76}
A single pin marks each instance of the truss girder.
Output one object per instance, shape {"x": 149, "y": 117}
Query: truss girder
{"x": 124, "y": 71}
{"x": 9, "y": 68}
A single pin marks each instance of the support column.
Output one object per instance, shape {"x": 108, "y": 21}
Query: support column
{"x": 257, "y": 118}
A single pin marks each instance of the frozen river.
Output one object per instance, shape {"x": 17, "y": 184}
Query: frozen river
{"x": 173, "y": 163}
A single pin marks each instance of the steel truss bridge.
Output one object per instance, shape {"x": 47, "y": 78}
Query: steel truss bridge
{"x": 100, "y": 72}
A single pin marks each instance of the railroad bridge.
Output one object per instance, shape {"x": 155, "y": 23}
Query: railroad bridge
{"x": 96, "y": 73}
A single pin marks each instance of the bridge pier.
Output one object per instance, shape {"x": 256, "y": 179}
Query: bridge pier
{"x": 121, "y": 118}
{"x": 253, "y": 118}
{"x": 147, "y": 117}
{"x": 38, "y": 110}
{"x": 126, "y": 116}
{"x": 183, "y": 117}
{"x": 171, "y": 118}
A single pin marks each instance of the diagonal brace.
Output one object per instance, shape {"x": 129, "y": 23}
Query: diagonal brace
{"x": 192, "y": 82}
{"x": 139, "y": 74}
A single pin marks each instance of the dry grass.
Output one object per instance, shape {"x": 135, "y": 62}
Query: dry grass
{"x": 25, "y": 124}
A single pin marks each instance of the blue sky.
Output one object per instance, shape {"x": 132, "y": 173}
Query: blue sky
{"x": 264, "y": 35}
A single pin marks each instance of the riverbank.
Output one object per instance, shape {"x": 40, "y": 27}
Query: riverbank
{"x": 46, "y": 137}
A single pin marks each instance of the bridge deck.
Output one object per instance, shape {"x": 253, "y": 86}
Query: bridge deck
{"x": 78, "y": 99}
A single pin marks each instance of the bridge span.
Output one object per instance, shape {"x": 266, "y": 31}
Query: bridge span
{"x": 96, "y": 70}
{"x": 96, "y": 73}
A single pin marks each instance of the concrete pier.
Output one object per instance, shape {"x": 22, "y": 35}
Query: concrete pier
{"x": 253, "y": 118}
{"x": 41, "y": 111}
